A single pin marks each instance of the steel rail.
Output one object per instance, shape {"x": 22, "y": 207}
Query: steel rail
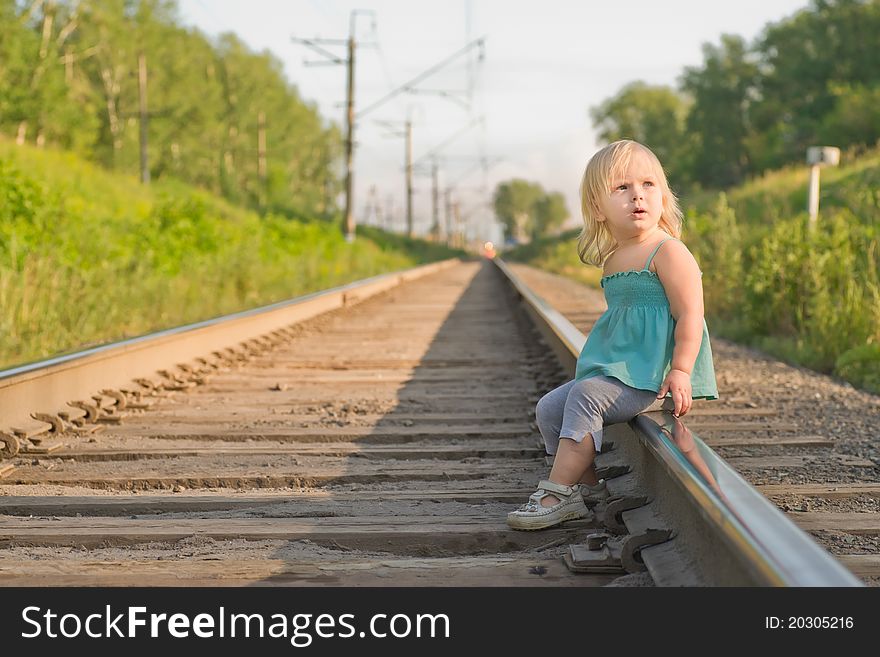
{"x": 47, "y": 387}
{"x": 724, "y": 531}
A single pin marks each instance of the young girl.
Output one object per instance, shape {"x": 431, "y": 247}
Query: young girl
{"x": 651, "y": 342}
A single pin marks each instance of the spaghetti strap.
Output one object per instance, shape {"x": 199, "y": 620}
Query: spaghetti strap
{"x": 648, "y": 264}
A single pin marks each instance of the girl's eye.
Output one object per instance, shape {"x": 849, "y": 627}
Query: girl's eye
{"x": 621, "y": 187}
{"x": 649, "y": 183}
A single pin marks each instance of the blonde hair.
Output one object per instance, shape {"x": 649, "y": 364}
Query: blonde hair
{"x": 595, "y": 242}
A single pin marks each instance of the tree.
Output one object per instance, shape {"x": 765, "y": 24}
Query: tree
{"x": 855, "y": 117}
{"x": 814, "y": 64}
{"x": 722, "y": 91}
{"x": 514, "y": 206}
{"x": 69, "y": 76}
{"x": 526, "y": 211}
{"x": 550, "y": 213}
{"x": 41, "y": 99}
{"x": 651, "y": 115}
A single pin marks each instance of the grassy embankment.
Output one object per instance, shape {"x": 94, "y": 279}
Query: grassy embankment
{"x": 89, "y": 257}
{"x": 811, "y": 299}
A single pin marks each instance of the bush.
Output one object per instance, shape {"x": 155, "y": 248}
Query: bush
{"x": 861, "y": 366}
{"x": 88, "y": 257}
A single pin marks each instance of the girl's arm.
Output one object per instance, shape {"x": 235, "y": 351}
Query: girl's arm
{"x": 680, "y": 275}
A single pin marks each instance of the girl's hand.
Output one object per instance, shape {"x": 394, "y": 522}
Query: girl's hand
{"x": 678, "y": 384}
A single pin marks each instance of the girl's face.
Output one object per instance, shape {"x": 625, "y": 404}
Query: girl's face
{"x": 634, "y": 201}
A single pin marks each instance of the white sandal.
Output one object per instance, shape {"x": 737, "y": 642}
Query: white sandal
{"x": 532, "y": 515}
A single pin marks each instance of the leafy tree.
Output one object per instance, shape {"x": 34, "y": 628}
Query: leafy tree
{"x": 40, "y": 99}
{"x": 807, "y": 62}
{"x": 550, "y": 213}
{"x": 651, "y": 115}
{"x": 514, "y": 204}
{"x": 718, "y": 119}
{"x": 17, "y": 48}
{"x": 526, "y": 211}
{"x": 855, "y": 116}
{"x": 69, "y": 77}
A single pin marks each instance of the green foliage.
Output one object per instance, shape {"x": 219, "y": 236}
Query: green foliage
{"x": 861, "y": 365}
{"x": 88, "y": 257}
{"x": 69, "y": 78}
{"x": 765, "y": 200}
{"x": 717, "y": 120}
{"x": 37, "y": 100}
{"x": 422, "y": 251}
{"x": 806, "y": 296}
{"x": 715, "y": 240}
{"x": 854, "y": 117}
{"x": 550, "y": 213}
{"x": 526, "y": 211}
{"x": 651, "y": 115}
{"x": 806, "y": 60}
{"x": 514, "y": 202}
{"x": 819, "y": 287}
{"x": 807, "y": 80}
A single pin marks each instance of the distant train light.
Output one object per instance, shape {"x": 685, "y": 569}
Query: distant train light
{"x": 489, "y": 250}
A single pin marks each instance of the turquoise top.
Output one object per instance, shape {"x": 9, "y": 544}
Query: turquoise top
{"x": 633, "y": 340}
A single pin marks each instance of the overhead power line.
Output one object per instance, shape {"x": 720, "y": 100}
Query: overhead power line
{"x": 314, "y": 44}
{"x": 408, "y": 86}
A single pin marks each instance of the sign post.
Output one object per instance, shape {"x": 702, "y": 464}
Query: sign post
{"x": 818, "y": 156}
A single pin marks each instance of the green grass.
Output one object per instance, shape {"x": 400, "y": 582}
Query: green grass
{"x": 89, "y": 257}
{"x": 853, "y": 186}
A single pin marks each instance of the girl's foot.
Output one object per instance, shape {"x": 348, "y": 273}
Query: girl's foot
{"x": 533, "y": 515}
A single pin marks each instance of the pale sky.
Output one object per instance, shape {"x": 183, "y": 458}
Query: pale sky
{"x": 547, "y": 62}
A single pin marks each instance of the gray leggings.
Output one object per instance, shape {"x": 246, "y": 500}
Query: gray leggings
{"x": 577, "y": 408}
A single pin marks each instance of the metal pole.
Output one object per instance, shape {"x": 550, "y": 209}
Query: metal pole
{"x": 435, "y": 227}
{"x": 262, "y": 169}
{"x": 409, "y": 187}
{"x": 389, "y": 213}
{"x": 448, "y": 214}
{"x": 459, "y": 233}
{"x": 377, "y": 210}
{"x": 348, "y": 225}
{"x": 142, "y": 102}
{"x": 813, "y": 205}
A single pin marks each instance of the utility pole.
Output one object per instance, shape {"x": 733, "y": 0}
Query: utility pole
{"x": 142, "y": 103}
{"x": 448, "y": 214}
{"x": 351, "y": 115}
{"x": 371, "y": 207}
{"x": 409, "y": 185}
{"x": 348, "y": 225}
{"x": 410, "y": 87}
{"x": 435, "y": 210}
{"x": 348, "y": 228}
{"x": 432, "y": 154}
{"x": 377, "y": 208}
{"x": 262, "y": 169}
{"x": 389, "y": 213}
{"x": 407, "y": 133}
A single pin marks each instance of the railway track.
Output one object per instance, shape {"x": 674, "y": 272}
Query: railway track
{"x": 380, "y": 442}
